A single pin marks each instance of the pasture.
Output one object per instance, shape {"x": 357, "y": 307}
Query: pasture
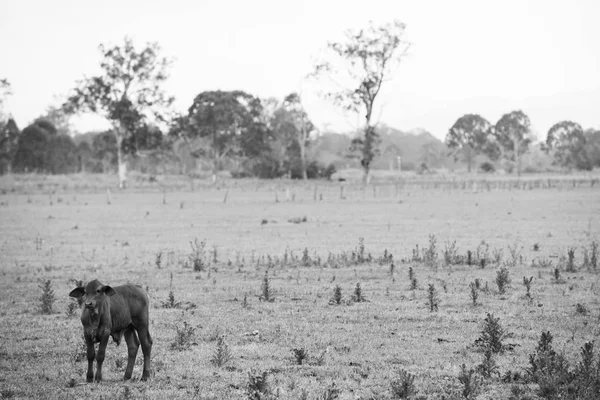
{"x": 202, "y": 255}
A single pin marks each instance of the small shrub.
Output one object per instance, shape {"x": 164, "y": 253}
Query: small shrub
{"x": 469, "y": 382}
{"x": 482, "y": 252}
{"x": 413, "y": 284}
{"x": 488, "y": 366}
{"x": 416, "y": 254}
{"x": 536, "y": 247}
{"x": 184, "y": 336}
{"x": 197, "y": 256}
{"x": 47, "y": 298}
{"x": 257, "y": 387}
{"x": 265, "y": 289}
{"x": 502, "y": 279}
{"x": 411, "y": 273}
{"x": 158, "y": 259}
{"x": 171, "y": 303}
{"x": 492, "y": 335}
{"x": 594, "y": 255}
{"x": 515, "y": 254}
{"x": 581, "y": 309}
{"x": 222, "y": 354}
{"x": 469, "y": 258}
{"x": 432, "y": 298}
{"x": 430, "y": 257}
{"x": 330, "y": 393}
{"x": 300, "y": 355}
{"x": 358, "y": 296}
{"x": 474, "y": 293}
{"x": 72, "y": 308}
{"x": 557, "y": 275}
{"x": 570, "y": 260}
{"x": 337, "y": 295}
{"x": 527, "y": 283}
{"x": 497, "y": 255}
{"x": 450, "y": 253}
{"x": 403, "y": 387}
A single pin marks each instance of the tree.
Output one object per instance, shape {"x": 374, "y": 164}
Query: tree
{"x": 469, "y": 137}
{"x": 61, "y": 155}
{"x": 104, "y": 149}
{"x": 302, "y": 126}
{"x": 9, "y": 142}
{"x": 431, "y": 155}
{"x": 61, "y": 120}
{"x": 569, "y": 145}
{"x": 222, "y": 124}
{"x": 5, "y": 92}
{"x": 128, "y": 93}
{"x": 593, "y": 146}
{"x": 32, "y": 144}
{"x": 368, "y": 57}
{"x": 512, "y": 135}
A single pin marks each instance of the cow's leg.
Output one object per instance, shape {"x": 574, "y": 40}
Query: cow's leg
{"x": 146, "y": 341}
{"x": 101, "y": 354}
{"x": 133, "y": 345}
{"x": 91, "y": 355}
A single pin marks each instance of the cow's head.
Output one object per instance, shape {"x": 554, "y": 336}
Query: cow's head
{"x": 93, "y": 293}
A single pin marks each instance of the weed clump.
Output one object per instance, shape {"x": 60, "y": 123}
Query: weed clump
{"x": 337, "y": 295}
{"x": 358, "y": 296}
{"x": 502, "y": 279}
{"x": 473, "y": 292}
{"x": 431, "y": 256}
{"x": 432, "y": 298}
{"x": 222, "y": 353}
{"x": 492, "y": 335}
{"x": 403, "y": 387}
{"x": 184, "y": 336}
{"x": 300, "y": 355}
{"x": 171, "y": 302}
{"x": 469, "y": 381}
{"x": 266, "y": 290}
{"x": 47, "y": 298}
{"x": 527, "y": 283}
{"x": 257, "y": 387}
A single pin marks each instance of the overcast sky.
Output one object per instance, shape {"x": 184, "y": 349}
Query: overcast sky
{"x": 468, "y": 56}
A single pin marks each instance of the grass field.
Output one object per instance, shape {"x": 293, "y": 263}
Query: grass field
{"x": 355, "y": 349}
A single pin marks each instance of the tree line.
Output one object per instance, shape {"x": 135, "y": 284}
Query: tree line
{"x": 245, "y": 134}
{"x": 570, "y": 146}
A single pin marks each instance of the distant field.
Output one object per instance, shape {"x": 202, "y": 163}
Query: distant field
{"x": 58, "y": 230}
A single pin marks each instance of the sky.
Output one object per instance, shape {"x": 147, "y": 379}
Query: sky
{"x": 467, "y": 56}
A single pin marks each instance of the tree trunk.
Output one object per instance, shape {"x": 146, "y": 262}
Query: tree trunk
{"x": 517, "y": 145}
{"x": 366, "y": 175}
{"x": 469, "y": 158}
{"x": 301, "y": 142}
{"x": 121, "y": 162}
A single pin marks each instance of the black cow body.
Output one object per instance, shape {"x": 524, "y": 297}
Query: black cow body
{"x": 117, "y": 312}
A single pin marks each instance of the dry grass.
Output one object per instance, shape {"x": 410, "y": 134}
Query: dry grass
{"x": 361, "y": 347}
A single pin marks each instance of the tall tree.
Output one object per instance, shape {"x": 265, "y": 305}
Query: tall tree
{"x": 592, "y": 137}
{"x": 128, "y": 93}
{"x": 363, "y": 62}
{"x": 9, "y": 142}
{"x": 469, "y": 137}
{"x": 569, "y": 145}
{"x": 302, "y": 125}
{"x": 512, "y": 134}
{"x": 5, "y": 92}
{"x": 31, "y": 153}
{"x": 224, "y": 124}
{"x": 59, "y": 118}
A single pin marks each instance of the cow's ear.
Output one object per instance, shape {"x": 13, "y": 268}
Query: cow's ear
{"x": 109, "y": 291}
{"x": 77, "y": 292}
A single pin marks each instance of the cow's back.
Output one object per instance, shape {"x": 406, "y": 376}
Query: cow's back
{"x": 128, "y": 306}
